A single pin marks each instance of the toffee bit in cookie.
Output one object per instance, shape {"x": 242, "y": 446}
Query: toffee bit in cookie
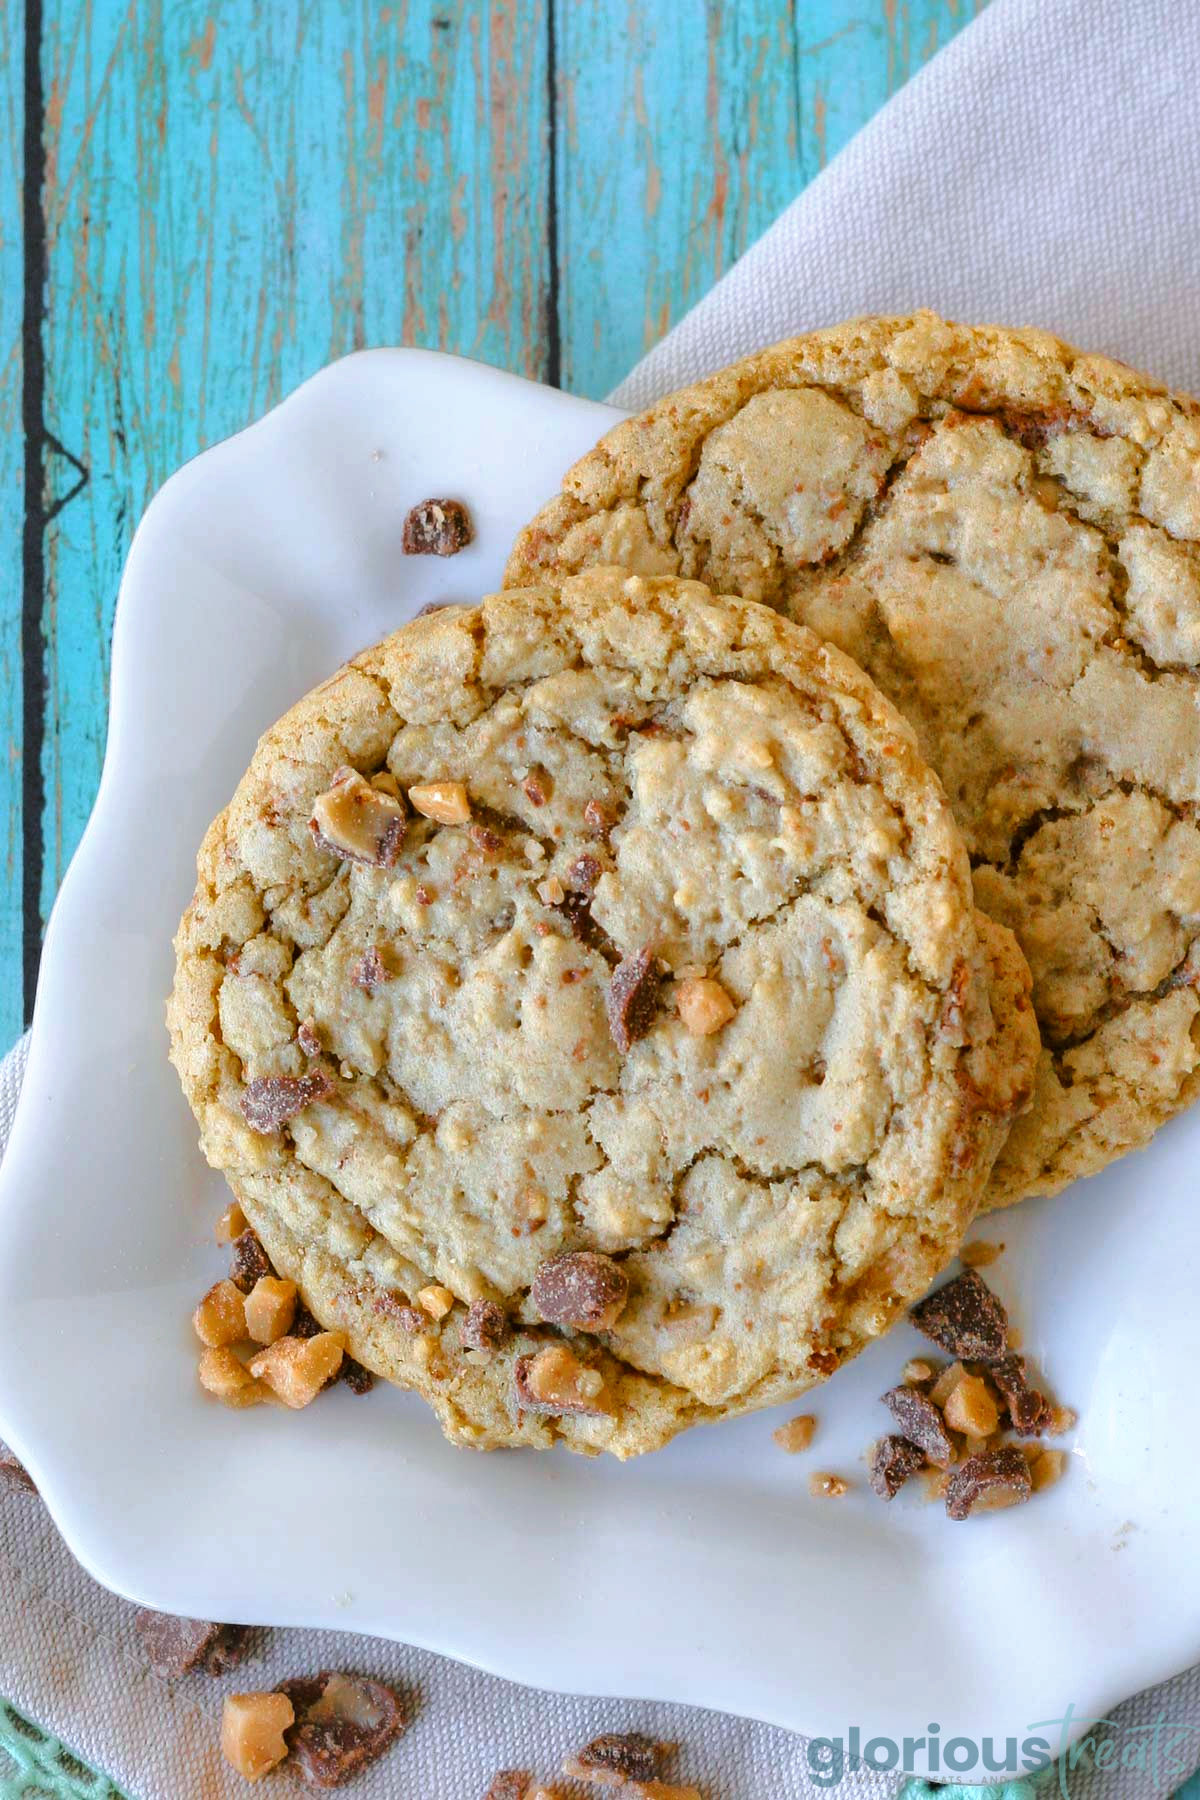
{"x": 358, "y": 821}
{"x": 922, "y": 1423}
{"x": 632, "y": 998}
{"x": 1028, "y": 1408}
{"x": 252, "y": 1728}
{"x": 995, "y": 1478}
{"x": 250, "y": 1261}
{"x": 556, "y": 1381}
{"x": 394, "y": 1306}
{"x": 369, "y": 972}
{"x": 485, "y": 840}
{"x": 228, "y": 1380}
{"x": 436, "y": 1300}
{"x": 537, "y": 787}
{"x": 618, "y": 1757}
{"x": 176, "y": 1646}
{"x": 600, "y": 819}
{"x": 509, "y": 1784}
{"x": 581, "y": 1289}
{"x": 436, "y": 528}
{"x": 231, "y": 1224}
{"x": 445, "y": 802}
{"x": 14, "y": 1476}
{"x": 296, "y": 1369}
{"x": 965, "y": 1318}
{"x": 308, "y": 1038}
{"x": 797, "y": 1434}
{"x": 485, "y": 1326}
{"x": 824, "y": 1486}
{"x": 893, "y": 1461}
{"x": 342, "y": 1723}
{"x": 703, "y": 1005}
{"x": 583, "y": 874}
{"x": 271, "y": 1100}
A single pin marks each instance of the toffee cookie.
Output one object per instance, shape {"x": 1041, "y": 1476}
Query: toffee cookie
{"x": 583, "y": 996}
{"x": 1005, "y": 533}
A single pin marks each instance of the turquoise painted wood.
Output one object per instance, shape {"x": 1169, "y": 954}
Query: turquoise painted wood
{"x": 232, "y": 198}
{"x": 12, "y": 509}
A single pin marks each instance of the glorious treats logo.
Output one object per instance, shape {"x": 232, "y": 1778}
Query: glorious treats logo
{"x": 1162, "y": 1748}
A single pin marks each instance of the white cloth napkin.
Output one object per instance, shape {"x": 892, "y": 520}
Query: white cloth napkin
{"x": 1044, "y": 168}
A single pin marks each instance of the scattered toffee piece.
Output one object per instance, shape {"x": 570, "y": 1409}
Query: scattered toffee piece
{"x": 14, "y": 1476}
{"x": 893, "y": 1461}
{"x": 303, "y": 1324}
{"x": 965, "y": 1318}
{"x": 356, "y": 1378}
{"x": 993, "y": 1478}
{"x": 343, "y": 1722}
{"x": 1028, "y": 1407}
{"x": 632, "y": 998}
{"x": 921, "y": 1423}
{"x": 249, "y": 1263}
{"x": 581, "y": 1289}
{"x": 628, "y": 1755}
{"x": 437, "y": 528}
{"x": 369, "y": 972}
{"x": 509, "y": 1784}
{"x": 175, "y": 1646}
{"x": 270, "y": 1101}
{"x": 485, "y": 1326}
{"x": 307, "y": 1038}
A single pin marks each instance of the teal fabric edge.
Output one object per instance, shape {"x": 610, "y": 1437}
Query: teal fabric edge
{"x": 1012, "y": 1790}
{"x": 44, "y": 1766}
{"x": 33, "y": 1761}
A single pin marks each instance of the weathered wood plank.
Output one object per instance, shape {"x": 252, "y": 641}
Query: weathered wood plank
{"x": 684, "y": 130}
{"x": 12, "y": 496}
{"x": 236, "y": 196}
{"x": 677, "y": 145}
{"x": 852, "y": 58}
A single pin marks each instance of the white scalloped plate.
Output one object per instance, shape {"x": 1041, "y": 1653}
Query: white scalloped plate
{"x": 704, "y": 1573}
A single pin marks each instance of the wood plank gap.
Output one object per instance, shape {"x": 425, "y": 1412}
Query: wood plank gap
{"x": 553, "y": 324}
{"x": 33, "y": 536}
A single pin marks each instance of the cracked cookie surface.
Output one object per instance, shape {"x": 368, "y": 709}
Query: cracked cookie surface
{"x": 656, "y": 1058}
{"x": 1005, "y": 533}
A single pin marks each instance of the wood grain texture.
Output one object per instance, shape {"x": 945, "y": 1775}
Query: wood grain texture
{"x": 233, "y": 196}
{"x": 685, "y": 130}
{"x": 229, "y": 206}
{"x": 12, "y": 504}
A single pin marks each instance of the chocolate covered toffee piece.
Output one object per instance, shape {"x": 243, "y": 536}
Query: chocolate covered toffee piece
{"x": 175, "y": 1646}
{"x": 1005, "y": 533}
{"x": 692, "y": 1055}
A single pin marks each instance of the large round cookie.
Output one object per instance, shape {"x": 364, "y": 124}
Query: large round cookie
{"x": 681, "y": 982}
{"x": 1006, "y": 534}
